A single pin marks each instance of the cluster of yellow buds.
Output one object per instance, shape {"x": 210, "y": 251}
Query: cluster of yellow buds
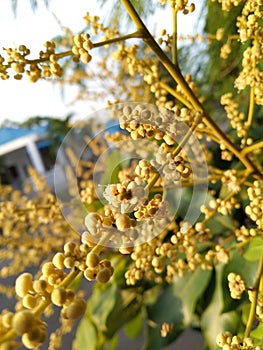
{"x": 82, "y": 46}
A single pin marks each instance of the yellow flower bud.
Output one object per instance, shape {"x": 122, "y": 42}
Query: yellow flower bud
{"x": 92, "y": 259}
{"x": 58, "y": 260}
{"x": 58, "y": 296}
{"x": 29, "y": 301}
{"x": 23, "y": 284}
{"x": 104, "y": 275}
{"x": 23, "y": 321}
{"x": 75, "y": 309}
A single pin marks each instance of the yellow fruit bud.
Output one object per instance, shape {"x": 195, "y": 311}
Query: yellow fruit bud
{"x": 104, "y": 275}
{"x": 23, "y": 321}
{"x": 58, "y": 296}
{"x": 75, "y": 309}
{"x": 39, "y": 286}
{"x": 90, "y": 274}
{"x": 29, "y": 301}
{"x": 48, "y": 269}
{"x": 58, "y": 260}
{"x": 92, "y": 259}
{"x": 23, "y": 284}
{"x": 123, "y": 222}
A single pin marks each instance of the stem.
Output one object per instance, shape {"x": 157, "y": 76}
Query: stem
{"x": 98, "y": 248}
{"x": 255, "y": 290}
{"x": 253, "y": 147}
{"x": 174, "y": 43}
{"x": 178, "y": 77}
{"x": 137, "y": 34}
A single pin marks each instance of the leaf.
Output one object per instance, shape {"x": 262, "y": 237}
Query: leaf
{"x": 134, "y": 327}
{"x": 213, "y": 321}
{"x": 112, "y": 168}
{"x": 258, "y": 332}
{"x": 86, "y": 336}
{"x": 254, "y": 250}
{"x": 175, "y": 306}
{"x": 127, "y": 306}
{"x": 101, "y": 304}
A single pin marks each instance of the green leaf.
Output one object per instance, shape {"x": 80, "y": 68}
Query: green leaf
{"x": 258, "y": 332}
{"x": 86, "y": 336}
{"x": 101, "y": 303}
{"x": 254, "y": 250}
{"x": 134, "y": 327}
{"x": 112, "y": 168}
{"x": 213, "y": 321}
{"x": 175, "y": 306}
{"x": 127, "y": 306}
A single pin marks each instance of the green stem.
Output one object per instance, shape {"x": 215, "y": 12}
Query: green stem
{"x": 253, "y": 306}
{"x": 178, "y": 77}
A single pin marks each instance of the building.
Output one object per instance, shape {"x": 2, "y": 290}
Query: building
{"x": 21, "y": 148}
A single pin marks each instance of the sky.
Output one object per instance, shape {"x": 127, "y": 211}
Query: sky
{"x": 22, "y": 99}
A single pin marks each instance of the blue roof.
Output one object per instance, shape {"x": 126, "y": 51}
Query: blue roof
{"x": 9, "y": 134}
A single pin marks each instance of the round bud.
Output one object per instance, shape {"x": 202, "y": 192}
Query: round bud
{"x": 29, "y": 301}
{"x": 23, "y": 321}
{"x": 123, "y": 222}
{"x": 104, "y": 275}
{"x": 69, "y": 262}
{"x": 75, "y": 309}
{"x": 90, "y": 274}
{"x": 58, "y": 296}
{"x": 39, "y": 286}
{"x": 48, "y": 269}
{"x": 92, "y": 259}
{"x": 69, "y": 248}
{"x": 23, "y": 284}
{"x": 58, "y": 260}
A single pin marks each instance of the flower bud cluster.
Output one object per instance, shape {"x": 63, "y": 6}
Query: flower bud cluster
{"x": 236, "y": 118}
{"x": 236, "y": 285}
{"x": 160, "y": 260}
{"x": 244, "y": 233}
{"x": 222, "y": 206}
{"x": 87, "y": 192}
{"x": 51, "y": 287}
{"x": 231, "y": 179}
{"x": 255, "y": 208}
{"x": 228, "y": 4}
{"x": 227, "y": 341}
{"x": 44, "y": 67}
{"x": 180, "y": 5}
{"x": 259, "y": 306}
{"x": 82, "y": 46}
